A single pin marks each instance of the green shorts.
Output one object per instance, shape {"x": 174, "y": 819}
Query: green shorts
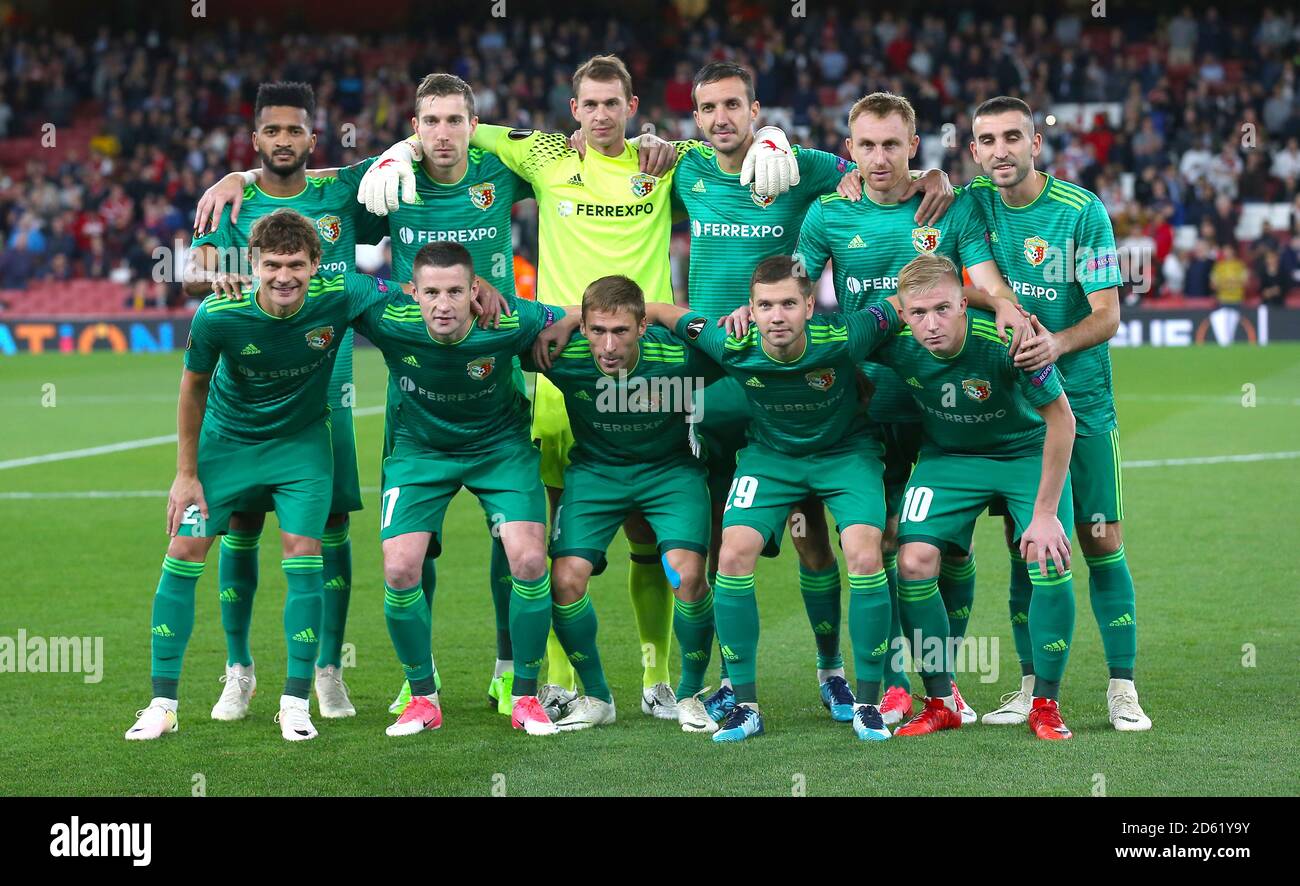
{"x": 1096, "y": 481}
{"x": 947, "y": 493}
{"x": 902, "y": 448}
{"x": 769, "y": 484}
{"x": 420, "y": 485}
{"x": 551, "y": 432}
{"x": 292, "y": 475}
{"x": 597, "y": 498}
{"x": 724, "y": 416}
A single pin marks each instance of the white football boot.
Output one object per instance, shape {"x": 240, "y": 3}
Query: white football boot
{"x": 1126, "y": 714}
{"x": 155, "y": 721}
{"x": 585, "y": 712}
{"x": 692, "y": 716}
{"x": 295, "y": 719}
{"x": 1015, "y": 705}
{"x": 332, "y": 694}
{"x": 659, "y": 701}
{"x": 241, "y": 686}
{"x": 555, "y": 700}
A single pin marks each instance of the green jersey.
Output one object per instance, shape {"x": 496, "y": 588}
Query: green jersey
{"x": 595, "y": 216}
{"x": 809, "y": 404}
{"x": 1054, "y": 252}
{"x": 474, "y": 212}
{"x": 640, "y": 416}
{"x": 733, "y": 229}
{"x": 270, "y": 375}
{"x": 456, "y": 398}
{"x": 976, "y": 402}
{"x": 868, "y": 243}
{"x": 330, "y": 203}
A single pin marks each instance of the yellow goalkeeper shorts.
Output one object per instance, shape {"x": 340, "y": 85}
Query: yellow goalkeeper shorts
{"x": 551, "y": 430}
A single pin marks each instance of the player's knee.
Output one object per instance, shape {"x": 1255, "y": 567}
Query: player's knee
{"x": 693, "y": 586}
{"x": 567, "y": 584}
{"x": 814, "y": 553}
{"x": 529, "y": 564}
{"x": 402, "y": 573}
{"x": 188, "y": 548}
{"x": 864, "y": 562}
{"x": 300, "y": 546}
{"x": 735, "y": 560}
{"x": 918, "y": 561}
{"x": 1099, "y": 539}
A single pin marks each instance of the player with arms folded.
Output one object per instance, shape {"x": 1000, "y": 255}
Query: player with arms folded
{"x": 1054, "y": 242}
{"x": 253, "y": 422}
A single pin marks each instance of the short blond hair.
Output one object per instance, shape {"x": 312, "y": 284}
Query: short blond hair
{"x": 604, "y": 69}
{"x": 882, "y": 104}
{"x": 926, "y": 273}
{"x": 612, "y": 294}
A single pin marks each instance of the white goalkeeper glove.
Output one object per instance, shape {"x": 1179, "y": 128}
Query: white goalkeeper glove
{"x": 770, "y": 164}
{"x": 392, "y": 174}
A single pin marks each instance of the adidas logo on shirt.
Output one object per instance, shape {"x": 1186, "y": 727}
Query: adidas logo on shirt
{"x": 857, "y": 242}
{"x": 410, "y": 360}
{"x": 753, "y": 382}
{"x": 698, "y": 187}
{"x": 913, "y": 382}
{"x": 250, "y": 350}
{"x": 577, "y": 180}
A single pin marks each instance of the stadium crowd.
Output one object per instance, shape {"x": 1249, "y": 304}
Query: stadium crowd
{"x": 1188, "y": 126}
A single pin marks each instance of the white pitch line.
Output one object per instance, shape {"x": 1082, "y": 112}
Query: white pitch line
{"x": 125, "y": 446}
{"x": 371, "y": 490}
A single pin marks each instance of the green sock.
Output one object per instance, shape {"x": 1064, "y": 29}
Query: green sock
{"x": 957, "y": 588}
{"x": 1110, "y": 589}
{"x": 821, "y": 599}
{"x": 530, "y": 621}
{"x": 722, "y": 659}
{"x": 652, "y": 605}
{"x": 429, "y": 581}
{"x": 237, "y": 579}
{"x": 305, "y": 577}
{"x": 869, "y": 631}
{"x": 173, "y": 622}
{"x": 411, "y": 631}
{"x": 922, "y": 610}
{"x": 1051, "y": 622}
{"x": 1022, "y": 591}
{"x": 736, "y": 610}
{"x": 895, "y": 672}
{"x": 693, "y": 625}
{"x": 499, "y": 575}
{"x": 336, "y": 554}
{"x": 575, "y": 627}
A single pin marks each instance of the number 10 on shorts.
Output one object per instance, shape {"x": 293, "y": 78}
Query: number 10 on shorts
{"x": 916, "y": 504}
{"x": 741, "y": 493}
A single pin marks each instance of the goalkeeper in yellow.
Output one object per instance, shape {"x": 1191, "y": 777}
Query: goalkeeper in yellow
{"x": 606, "y": 212}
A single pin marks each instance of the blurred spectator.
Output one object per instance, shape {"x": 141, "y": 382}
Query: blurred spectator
{"x": 1229, "y": 277}
{"x": 1273, "y": 283}
{"x": 1199, "y": 268}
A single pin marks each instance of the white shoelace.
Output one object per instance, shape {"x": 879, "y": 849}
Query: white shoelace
{"x": 1126, "y": 704}
{"x": 1015, "y": 696}
{"x": 662, "y": 694}
{"x": 234, "y": 689}
{"x": 297, "y": 719}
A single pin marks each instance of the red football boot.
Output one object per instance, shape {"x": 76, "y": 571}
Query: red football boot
{"x": 934, "y": 717}
{"x": 896, "y": 705}
{"x": 1045, "y": 720}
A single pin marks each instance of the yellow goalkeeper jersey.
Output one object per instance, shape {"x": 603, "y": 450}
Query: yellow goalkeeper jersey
{"x": 596, "y": 216}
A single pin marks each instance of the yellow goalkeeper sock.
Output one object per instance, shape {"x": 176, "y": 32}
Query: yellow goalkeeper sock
{"x": 652, "y": 605}
{"x": 558, "y": 668}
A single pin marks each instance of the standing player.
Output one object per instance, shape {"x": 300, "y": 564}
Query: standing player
{"x": 628, "y": 391}
{"x": 992, "y": 431}
{"x": 1053, "y": 239}
{"x": 598, "y": 214}
{"x": 252, "y": 422}
{"x": 461, "y": 421}
{"x": 284, "y": 140}
{"x": 868, "y": 242}
{"x": 733, "y": 227}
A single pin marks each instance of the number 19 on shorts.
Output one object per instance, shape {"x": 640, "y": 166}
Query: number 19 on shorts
{"x": 916, "y": 504}
{"x": 741, "y": 493}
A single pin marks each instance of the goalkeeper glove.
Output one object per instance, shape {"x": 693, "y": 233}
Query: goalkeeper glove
{"x": 770, "y": 164}
{"x": 388, "y": 176}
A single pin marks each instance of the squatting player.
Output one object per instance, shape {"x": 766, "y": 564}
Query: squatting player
{"x": 991, "y": 431}
{"x": 253, "y": 422}
{"x": 809, "y": 437}
{"x": 867, "y": 242}
{"x": 1054, "y": 242}
{"x": 284, "y": 140}
{"x": 629, "y": 393}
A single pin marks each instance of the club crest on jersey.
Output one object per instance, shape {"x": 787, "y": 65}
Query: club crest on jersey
{"x": 926, "y": 240}
{"x": 759, "y": 199}
{"x": 320, "y": 337}
{"x": 977, "y": 389}
{"x": 483, "y": 194}
{"x": 329, "y": 227}
{"x": 642, "y": 184}
{"x": 1035, "y": 250}
{"x": 481, "y": 368}
{"x": 820, "y": 379}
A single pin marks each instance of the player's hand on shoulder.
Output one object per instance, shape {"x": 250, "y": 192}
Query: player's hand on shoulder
{"x": 1046, "y": 540}
{"x": 227, "y": 192}
{"x": 770, "y": 164}
{"x": 737, "y": 322}
{"x": 230, "y": 286}
{"x": 655, "y": 155}
{"x": 488, "y": 305}
{"x": 186, "y": 490}
{"x": 1042, "y": 348}
{"x": 1012, "y": 323}
{"x": 938, "y": 195}
{"x": 578, "y": 142}
{"x": 390, "y": 180}
{"x": 850, "y": 186}
{"x": 553, "y": 338}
